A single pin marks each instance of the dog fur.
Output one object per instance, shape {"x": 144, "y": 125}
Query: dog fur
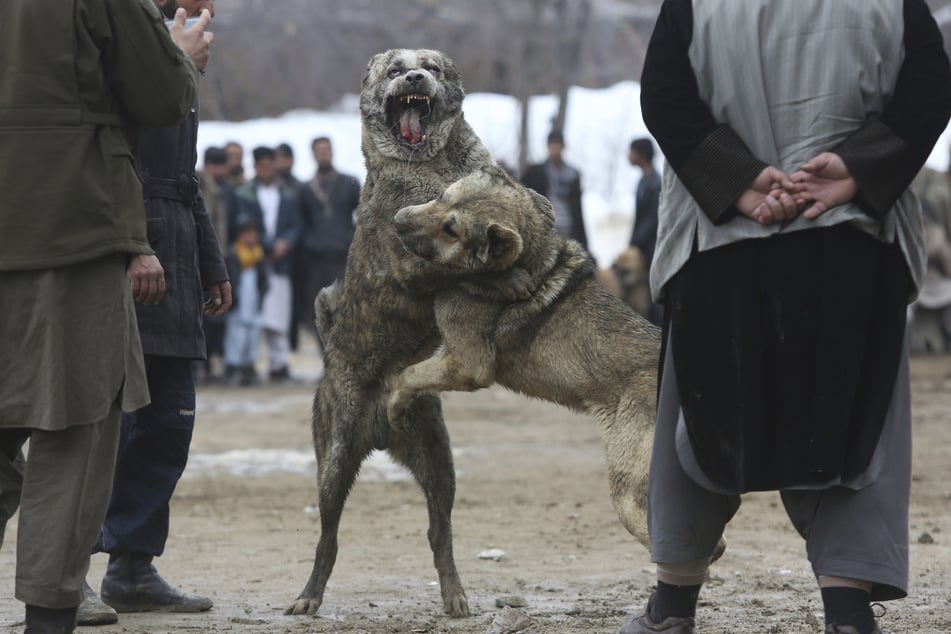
{"x": 570, "y": 341}
{"x": 415, "y": 142}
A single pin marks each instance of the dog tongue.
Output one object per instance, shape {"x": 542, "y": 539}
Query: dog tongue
{"x": 409, "y": 126}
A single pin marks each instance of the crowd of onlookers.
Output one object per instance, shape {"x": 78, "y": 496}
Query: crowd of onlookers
{"x": 284, "y": 239}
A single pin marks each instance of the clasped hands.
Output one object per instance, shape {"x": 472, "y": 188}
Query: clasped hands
{"x": 820, "y": 184}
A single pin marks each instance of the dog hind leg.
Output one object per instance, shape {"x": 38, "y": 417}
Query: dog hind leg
{"x": 423, "y": 448}
{"x": 339, "y": 460}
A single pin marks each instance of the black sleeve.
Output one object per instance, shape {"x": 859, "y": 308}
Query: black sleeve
{"x": 711, "y": 160}
{"x": 886, "y": 153}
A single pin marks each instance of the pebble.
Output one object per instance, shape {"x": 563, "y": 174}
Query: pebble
{"x": 493, "y": 553}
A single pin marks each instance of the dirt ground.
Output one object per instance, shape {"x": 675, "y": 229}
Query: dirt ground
{"x": 531, "y": 483}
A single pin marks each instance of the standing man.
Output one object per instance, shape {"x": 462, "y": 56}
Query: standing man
{"x": 234, "y": 152}
{"x": 76, "y": 78}
{"x": 561, "y": 184}
{"x": 646, "y": 200}
{"x": 277, "y": 208}
{"x": 785, "y": 365}
{"x": 284, "y": 164}
{"x": 153, "y": 447}
{"x": 328, "y": 204}
{"x": 214, "y": 190}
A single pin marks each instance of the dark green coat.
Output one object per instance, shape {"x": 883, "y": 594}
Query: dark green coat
{"x": 77, "y": 78}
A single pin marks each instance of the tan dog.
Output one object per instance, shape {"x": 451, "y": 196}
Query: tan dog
{"x": 570, "y": 341}
{"x": 630, "y": 271}
{"x": 380, "y": 319}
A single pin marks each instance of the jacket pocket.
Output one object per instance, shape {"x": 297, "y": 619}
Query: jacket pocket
{"x": 155, "y": 228}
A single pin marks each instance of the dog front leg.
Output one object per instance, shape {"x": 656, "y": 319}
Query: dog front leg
{"x": 440, "y": 373}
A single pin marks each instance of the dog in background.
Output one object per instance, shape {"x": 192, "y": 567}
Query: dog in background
{"x": 627, "y": 279}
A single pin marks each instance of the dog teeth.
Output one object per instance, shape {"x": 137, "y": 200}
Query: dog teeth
{"x": 409, "y": 98}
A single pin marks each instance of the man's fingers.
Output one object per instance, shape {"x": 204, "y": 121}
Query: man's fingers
{"x": 816, "y": 210}
{"x": 226, "y": 298}
{"x": 204, "y": 19}
{"x": 180, "y": 17}
{"x": 153, "y": 290}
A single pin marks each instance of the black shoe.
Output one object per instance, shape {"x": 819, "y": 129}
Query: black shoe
{"x": 249, "y": 376}
{"x": 92, "y": 611}
{"x": 642, "y": 624}
{"x": 49, "y": 620}
{"x": 281, "y": 375}
{"x": 132, "y": 584}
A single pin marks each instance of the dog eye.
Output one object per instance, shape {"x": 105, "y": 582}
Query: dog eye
{"x": 447, "y": 227}
{"x": 432, "y": 68}
{"x": 394, "y": 72}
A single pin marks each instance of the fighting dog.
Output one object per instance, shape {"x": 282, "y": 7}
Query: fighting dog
{"x": 415, "y": 142}
{"x": 570, "y": 341}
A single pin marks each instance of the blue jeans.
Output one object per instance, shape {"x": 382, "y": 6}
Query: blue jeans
{"x": 153, "y": 451}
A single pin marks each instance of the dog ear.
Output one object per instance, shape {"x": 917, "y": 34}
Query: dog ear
{"x": 370, "y": 64}
{"x": 501, "y": 243}
{"x": 542, "y": 205}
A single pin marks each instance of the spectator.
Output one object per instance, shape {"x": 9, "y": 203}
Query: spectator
{"x": 646, "y": 199}
{"x": 784, "y": 367}
{"x": 247, "y": 267}
{"x": 284, "y": 164}
{"x": 214, "y": 187}
{"x": 234, "y": 152}
{"x": 212, "y": 179}
{"x": 154, "y": 440}
{"x": 277, "y": 209}
{"x": 71, "y": 218}
{"x": 328, "y": 203}
{"x": 561, "y": 184}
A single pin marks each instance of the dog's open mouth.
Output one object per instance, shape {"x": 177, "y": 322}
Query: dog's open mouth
{"x": 408, "y": 116}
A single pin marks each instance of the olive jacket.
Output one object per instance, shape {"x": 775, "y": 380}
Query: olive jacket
{"x": 77, "y": 78}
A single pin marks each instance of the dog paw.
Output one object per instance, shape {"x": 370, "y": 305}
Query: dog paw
{"x": 303, "y": 606}
{"x": 396, "y": 407}
{"x": 517, "y": 284}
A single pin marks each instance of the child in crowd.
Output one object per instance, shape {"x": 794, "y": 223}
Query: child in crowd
{"x": 248, "y": 273}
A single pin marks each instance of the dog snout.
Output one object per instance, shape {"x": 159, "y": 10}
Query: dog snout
{"x": 415, "y": 78}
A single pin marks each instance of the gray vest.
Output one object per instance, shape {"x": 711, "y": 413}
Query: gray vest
{"x": 793, "y": 78}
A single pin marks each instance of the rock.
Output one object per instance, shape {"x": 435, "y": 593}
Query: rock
{"x": 512, "y": 621}
{"x": 493, "y": 553}
{"x": 512, "y": 601}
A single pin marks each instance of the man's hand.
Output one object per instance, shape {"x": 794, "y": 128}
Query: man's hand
{"x": 825, "y": 182}
{"x": 770, "y": 198}
{"x": 219, "y": 299}
{"x": 281, "y": 248}
{"x": 195, "y": 41}
{"x": 148, "y": 279}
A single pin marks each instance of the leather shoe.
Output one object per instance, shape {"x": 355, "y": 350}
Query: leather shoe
{"x": 132, "y": 584}
{"x": 40, "y": 620}
{"x": 642, "y": 624}
{"x": 92, "y": 611}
